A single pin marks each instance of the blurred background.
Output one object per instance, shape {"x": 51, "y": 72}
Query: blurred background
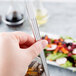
{"x": 61, "y": 15}
{"x": 53, "y": 16}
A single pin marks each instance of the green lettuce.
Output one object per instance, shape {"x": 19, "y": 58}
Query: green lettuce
{"x": 56, "y": 56}
{"x": 67, "y": 64}
{"x": 67, "y": 37}
{"x": 74, "y": 57}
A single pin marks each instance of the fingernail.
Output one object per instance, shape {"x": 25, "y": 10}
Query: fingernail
{"x": 44, "y": 43}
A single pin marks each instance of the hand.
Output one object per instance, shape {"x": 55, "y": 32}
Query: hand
{"x": 17, "y": 50}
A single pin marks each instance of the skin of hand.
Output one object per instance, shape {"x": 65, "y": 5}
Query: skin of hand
{"x": 17, "y": 50}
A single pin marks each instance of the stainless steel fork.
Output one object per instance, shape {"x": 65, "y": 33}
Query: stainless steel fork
{"x": 35, "y": 29}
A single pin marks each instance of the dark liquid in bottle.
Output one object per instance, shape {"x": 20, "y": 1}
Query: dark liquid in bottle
{"x": 14, "y": 17}
{"x": 35, "y": 69}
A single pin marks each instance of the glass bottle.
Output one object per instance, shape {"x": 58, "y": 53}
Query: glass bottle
{"x": 14, "y": 16}
{"x": 35, "y": 68}
{"x": 41, "y": 13}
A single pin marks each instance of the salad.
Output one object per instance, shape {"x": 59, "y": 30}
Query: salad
{"x": 61, "y": 50}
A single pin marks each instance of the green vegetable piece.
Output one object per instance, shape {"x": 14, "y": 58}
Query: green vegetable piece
{"x": 67, "y": 64}
{"x": 74, "y": 41}
{"x": 52, "y": 40}
{"x": 67, "y": 37}
{"x": 56, "y": 56}
{"x": 47, "y": 52}
{"x": 74, "y": 57}
{"x": 46, "y": 47}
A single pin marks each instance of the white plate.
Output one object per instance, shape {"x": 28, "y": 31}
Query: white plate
{"x": 53, "y": 62}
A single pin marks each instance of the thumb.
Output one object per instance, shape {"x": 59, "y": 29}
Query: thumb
{"x": 34, "y": 50}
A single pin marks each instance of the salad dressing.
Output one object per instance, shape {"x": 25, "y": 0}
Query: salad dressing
{"x": 35, "y": 69}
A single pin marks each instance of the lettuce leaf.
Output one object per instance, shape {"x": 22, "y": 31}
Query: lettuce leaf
{"x": 67, "y": 64}
{"x": 74, "y": 57}
{"x": 67, "y": 37}
{"x": 56, "y": 56}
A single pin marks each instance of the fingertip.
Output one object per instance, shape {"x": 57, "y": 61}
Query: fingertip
{"x": 44, "y": 43}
